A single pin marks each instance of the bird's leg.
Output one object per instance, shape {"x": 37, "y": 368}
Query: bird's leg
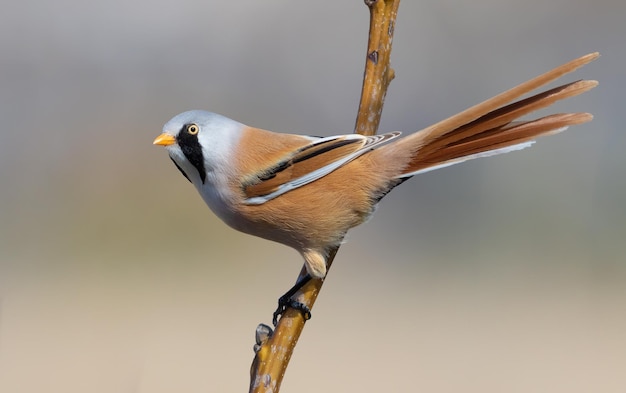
{"x": 286, "y": 301}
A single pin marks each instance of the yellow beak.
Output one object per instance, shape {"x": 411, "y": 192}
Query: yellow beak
{"x": 164, "y": 140}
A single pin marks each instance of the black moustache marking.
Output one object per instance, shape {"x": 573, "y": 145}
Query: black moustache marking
{"x": 181, "y": 170}
{"x": 192, "y": 150}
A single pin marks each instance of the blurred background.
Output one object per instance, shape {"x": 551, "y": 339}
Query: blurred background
{"x": 505, "y": 274}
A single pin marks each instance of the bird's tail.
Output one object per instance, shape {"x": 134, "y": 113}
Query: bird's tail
{"x": 491, "y": 127}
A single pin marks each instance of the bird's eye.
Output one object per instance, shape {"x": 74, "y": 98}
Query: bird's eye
{"x": 193, "y": 129}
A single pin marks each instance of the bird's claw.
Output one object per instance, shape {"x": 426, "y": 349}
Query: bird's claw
{"x": 287, "y": 302}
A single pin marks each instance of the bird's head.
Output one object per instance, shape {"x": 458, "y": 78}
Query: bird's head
{"x": 199, "y": 142}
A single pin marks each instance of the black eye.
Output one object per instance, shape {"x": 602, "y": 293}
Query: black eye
{"x": 192, "y": 129}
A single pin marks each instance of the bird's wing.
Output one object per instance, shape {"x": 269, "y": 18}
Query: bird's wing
{"x": 307, "y": 164}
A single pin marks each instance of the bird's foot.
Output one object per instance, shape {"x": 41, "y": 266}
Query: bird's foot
{"x": 288, "y": 302}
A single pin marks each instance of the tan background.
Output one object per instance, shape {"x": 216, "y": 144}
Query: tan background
{"x": 502, "y": 275}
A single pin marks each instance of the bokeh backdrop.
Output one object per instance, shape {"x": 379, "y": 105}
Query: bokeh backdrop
{"x": 506, "y": 274}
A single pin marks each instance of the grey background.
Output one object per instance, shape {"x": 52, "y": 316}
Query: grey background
{"x": 503, "y": 274}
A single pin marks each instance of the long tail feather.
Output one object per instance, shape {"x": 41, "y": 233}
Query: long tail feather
{"x": 490, "y": 128}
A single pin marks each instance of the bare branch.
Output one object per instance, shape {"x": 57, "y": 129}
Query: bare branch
{"x": 274, "y": 351}
{"x": 378, "y": 72}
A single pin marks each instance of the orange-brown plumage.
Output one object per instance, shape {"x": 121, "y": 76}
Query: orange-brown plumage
{"x": 307, "y": 192}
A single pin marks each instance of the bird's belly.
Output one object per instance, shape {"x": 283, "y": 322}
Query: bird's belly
{"x": 298, "y": 219}
{"x": 230, "y": 210}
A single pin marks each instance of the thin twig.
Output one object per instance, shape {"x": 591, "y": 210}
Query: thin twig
{"x": 274, "y": 351}
{"x": 378, "y": 72}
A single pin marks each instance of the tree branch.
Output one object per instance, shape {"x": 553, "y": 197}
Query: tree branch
{"x": 378, "y": 72}
{"x": 274, "y": 350}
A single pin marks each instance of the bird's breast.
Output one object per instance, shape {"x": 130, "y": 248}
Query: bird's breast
{"x": 219, "y": 198}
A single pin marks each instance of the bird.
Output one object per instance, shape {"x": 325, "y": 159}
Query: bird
{"x": 306, "y": 192}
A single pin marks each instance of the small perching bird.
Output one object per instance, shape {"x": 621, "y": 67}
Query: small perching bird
{"x": 307, "y": 192}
